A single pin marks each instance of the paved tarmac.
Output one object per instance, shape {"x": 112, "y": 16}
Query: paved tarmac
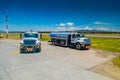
{"x": 52, "y": 63}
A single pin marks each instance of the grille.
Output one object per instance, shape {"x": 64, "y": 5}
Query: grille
{"x": 29, "y": 42}
{"x": 87, "y": 40}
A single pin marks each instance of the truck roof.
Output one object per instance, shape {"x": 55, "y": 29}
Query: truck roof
{"x": 31, "y": 32}
{"x": 67, "y": 33}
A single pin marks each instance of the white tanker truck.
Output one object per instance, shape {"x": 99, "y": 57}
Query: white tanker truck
{"x": 70, "y": 39}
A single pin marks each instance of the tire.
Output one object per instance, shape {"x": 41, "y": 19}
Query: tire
{"x": 21, "y": 51}
{"x": 78, "y": 46}
{"x": 38, "y": 50}
{"x": 54, "y": 42}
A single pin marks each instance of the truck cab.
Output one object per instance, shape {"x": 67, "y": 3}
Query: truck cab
{"x": 80, "y": 41}
{"x": 30, "y": 42}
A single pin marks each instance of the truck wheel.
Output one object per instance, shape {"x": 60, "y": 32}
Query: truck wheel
{"x": 21, "y": 51}
{"x": 78, "y": 46}
{"x": 38, "y": 50}
{"x": 54, "y": 42}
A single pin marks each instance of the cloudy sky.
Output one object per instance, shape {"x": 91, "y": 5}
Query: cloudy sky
{"x": 58, "y": 14}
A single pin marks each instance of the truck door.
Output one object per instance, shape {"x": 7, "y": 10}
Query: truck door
{"x": 39, "y": 36}
{"x": 73, "y": 38}
{"x": 69, "y": 39}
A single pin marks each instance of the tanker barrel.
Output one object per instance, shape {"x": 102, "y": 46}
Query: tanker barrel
{"x": 59, "y": 35}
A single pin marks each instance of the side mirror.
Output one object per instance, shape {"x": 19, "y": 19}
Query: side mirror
{"x": 40, "y": 36}
{"x": 20, "y": 35}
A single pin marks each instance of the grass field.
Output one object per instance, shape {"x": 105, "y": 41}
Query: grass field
{"x": 109, "y": 44}
{"x": 116, "y": 61}
{"x": 15, "y": 36}
{"x": 45, "y": 37}
{"x": 98, "y": 34}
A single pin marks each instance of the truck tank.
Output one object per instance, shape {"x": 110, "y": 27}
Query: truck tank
{"x": 60, "y": 35}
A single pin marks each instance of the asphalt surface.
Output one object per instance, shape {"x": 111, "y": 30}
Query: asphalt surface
{"x": 52, "y": 63}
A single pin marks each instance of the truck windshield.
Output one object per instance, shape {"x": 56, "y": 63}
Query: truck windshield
{"x": 80, "y": 36}
{"x": 30, "y": 35}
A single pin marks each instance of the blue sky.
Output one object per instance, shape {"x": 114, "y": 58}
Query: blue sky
{"x": 46, "y": 15}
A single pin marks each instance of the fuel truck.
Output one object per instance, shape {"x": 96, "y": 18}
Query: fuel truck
{"x": 70, "y": 39}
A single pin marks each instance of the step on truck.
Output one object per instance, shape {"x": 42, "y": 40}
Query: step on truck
{"x": 70, "y": 39}
{"x": 30, "y": 42}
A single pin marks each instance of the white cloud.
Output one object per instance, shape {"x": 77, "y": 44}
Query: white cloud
{"x": 98, "y": 22}
{"x": 56, "y": 24}
{"x": 62, "y": 24}
{"x": 102, "y": 28}
{"x": 70, "y": 24}
{"x": 74, "y": 28}
{"x": 113, "y": 29}
{"x": 88, "y": 28}
{"x": 61, "y": 28}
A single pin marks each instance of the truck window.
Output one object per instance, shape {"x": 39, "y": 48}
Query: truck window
{"x": 73, "y": 36}
{"x": 30, "y": 35}
{"x": 80, "y": 36}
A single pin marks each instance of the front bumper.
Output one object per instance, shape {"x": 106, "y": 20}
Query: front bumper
{"x": 30, "y": 48}
{"x": 85, "y": 46}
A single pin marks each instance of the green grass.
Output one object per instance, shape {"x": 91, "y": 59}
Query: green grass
{"x": 97, "y": 34}
{"x": 109, "y": 44}
{"x": 15, "y": 36}
{"x": 45, "y": 37}
{"x": 116, "y": 61}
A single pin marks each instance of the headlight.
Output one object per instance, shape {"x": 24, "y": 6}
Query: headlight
{"x": 82, "y": 42}
{"x": 21, "y": 42}
{"x": 33, "y": 46}
{"x": 83, "y": 45}
{"x": 38, "y": 43}
{"x": 21, "y": 46}
{"x": 38, "y": 46}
